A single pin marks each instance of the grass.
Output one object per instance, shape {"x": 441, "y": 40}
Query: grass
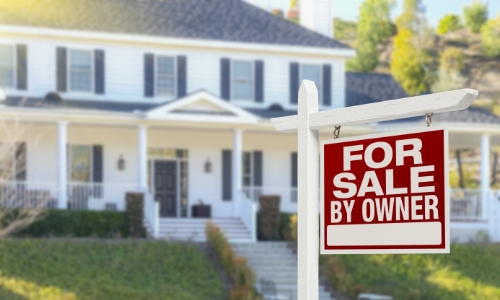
{"x": 77, "y": 270}
{"x": 468, "y": 272}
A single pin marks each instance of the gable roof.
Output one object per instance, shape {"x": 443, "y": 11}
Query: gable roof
{"x": 223, "y": 20}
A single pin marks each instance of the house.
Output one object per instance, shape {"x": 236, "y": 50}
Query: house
{"x": 173, "y": 98}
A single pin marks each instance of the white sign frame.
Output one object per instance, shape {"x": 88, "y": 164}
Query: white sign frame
{"x": 388, "y": 251}
{"x": 307, "y": 124}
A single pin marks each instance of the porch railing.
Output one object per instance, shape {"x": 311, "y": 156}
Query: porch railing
{"x": 288, "y": 195}
{"x": 246, "y": 209}
{"x": 98, "y": 196}
{"x": 152, "y": 214}
{"x": 466, "y": 205}
{"x": 25, "y": 194}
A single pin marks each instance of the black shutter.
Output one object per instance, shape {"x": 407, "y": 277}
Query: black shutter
{"x": 227, "y": 187}
{"x": 181, "y": 75}
{"x": 257, "y": 168}
{"x": 327, "y": 84}
{"x": 22, "y": 67}
{"x": 224, "y": 78}
{"x": 149, "y": 75}
{"x": 294, "y": 169}
{"x": 259, "y": 81}
{"x": 99, "y": 61}
{"x": 294, "y": 83}
{"x": 97, "y": 169}
{"x": 20, "y": 162}
{"x": 61, "y": 69}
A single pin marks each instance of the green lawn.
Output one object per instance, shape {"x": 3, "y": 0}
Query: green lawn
{"x": 71, "y": 270}
{"x": 469, "y": 272}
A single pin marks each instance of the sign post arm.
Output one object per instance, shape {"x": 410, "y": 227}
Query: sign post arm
{"x": 308, "y": 197}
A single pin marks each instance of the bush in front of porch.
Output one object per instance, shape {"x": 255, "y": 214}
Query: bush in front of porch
{"x": 106, "y": 269}
{"x": 78, "y": 223}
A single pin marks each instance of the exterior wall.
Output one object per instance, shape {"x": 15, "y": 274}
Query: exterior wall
{"x": 124, "y": 70}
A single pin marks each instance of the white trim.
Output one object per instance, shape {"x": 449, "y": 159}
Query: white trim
{"x": 211, "y": 44}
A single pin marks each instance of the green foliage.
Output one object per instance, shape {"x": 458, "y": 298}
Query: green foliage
{"x": 78, "y": 223}
{"x": 468, "y": 272}
{"x": 490, "y": 37}
{"x": 135, "y": 214}
{"x": 374, "y": 26}
{"x": 451, "y": 65}
{"x": 449, "y": 23}
{"x": 412, "y": 16}
{"x": 475, "y": 16}
{"x": 452, "y": 59}
{"x": 407, "y": 64}
{"x": 241, "y": 274}
{"x": 88, "y": 270}
{"x": 284, "y": 228}
{"x": 344, "y": 30}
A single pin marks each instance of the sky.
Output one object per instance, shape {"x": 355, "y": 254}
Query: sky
{"x": 348, "y": 9}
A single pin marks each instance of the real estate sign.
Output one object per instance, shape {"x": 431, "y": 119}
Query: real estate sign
{"x": 385, "y": 193}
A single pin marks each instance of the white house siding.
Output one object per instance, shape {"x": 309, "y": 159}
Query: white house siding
{"x": 124, "y": 69}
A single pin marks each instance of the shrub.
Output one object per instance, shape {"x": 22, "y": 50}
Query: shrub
{"x": 475, "y": 16}
{"x": 452, "y": 59}
{"x": 241, "y": 274}
{"x": 135, "y": 214}
{"x": 490, "y": 38}
{"x": 449, "y": 23}
{"x": 78, "y": 223}
{"x": 269, "y": 221}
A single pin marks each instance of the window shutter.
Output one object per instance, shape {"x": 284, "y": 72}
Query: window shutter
{"x": 294, "y": 169}
{"x": 61, "y": 69}
{"x": 327, "y": 84}
{"x": 224, "y": 78}
{"x": 259, "y": 81}
{"x": 227, "y": 175}
{"x": 149, "y": 75}
{"x": 257, "y": 168}
{"x": 22, "y": 67}
{"x": 97, "y": 169}
{"x": 20, "y": 162}
{"x": 99, "y": 61}
{"x": 294, "y": 83}
{"x": 181, "y": 75}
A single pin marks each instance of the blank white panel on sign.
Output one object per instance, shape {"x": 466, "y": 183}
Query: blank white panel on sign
{"x": 411, "y": 233}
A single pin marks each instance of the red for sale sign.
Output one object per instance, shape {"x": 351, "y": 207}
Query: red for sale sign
{"x": 385, "y": 193}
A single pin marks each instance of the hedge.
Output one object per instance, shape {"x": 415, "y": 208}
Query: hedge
{"x": 78, "y": 223}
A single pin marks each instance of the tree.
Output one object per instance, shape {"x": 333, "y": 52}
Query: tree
{"x": 412, "y": 16}
{"x": 475, "y": 16}
{"x": 374, "y": 26}
{"x": 344, "y": 30}
{"x": 490, "y": 37}
{"x": 449, "y": 23}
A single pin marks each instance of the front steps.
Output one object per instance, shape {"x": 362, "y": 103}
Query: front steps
{"x": 193, "y": 229}
{"x": 276, "y": 262}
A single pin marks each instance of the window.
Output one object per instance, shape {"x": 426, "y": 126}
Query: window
{"x": 7, "y": 64}
{"x": 313, "y": 73}
{"x": 165, "y": 76}
{"x": 242, "y": 80}
{"x": 247, "y": 169}
{"x": 80, "y": 157}
{"x": 80, "y": 70}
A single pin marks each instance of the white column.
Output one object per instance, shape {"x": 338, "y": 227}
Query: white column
{"x": 237, "y": 162}
{"x": 485, "y": 174}
{"x": 142, "y": 158}
{"x": 308, "y": 194}
{"x": 62, "y": 167}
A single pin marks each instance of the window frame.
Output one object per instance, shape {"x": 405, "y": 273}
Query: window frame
{"x": 91, "y": 164}
{"x": 92, "y": 70}
{"x": 250, "y": 174}
{"x": 156, "y": 74}
{"x": 14, "y": 67}
{"x": 252, "y": 79}
{"x": 319, "y": 86}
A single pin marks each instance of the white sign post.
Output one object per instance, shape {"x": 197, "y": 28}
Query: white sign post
{"x": 307, "y": 123}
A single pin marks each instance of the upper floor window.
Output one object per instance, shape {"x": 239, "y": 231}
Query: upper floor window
{"x": 165, "y": 76}
{"x": 7, "y": 66}
{"x": 313, "y": 73}
{"x": 242, "y": 80}
{"x": 80, "y": 70}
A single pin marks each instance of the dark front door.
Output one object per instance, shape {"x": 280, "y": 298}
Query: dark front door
{"x": 166, "y": 187}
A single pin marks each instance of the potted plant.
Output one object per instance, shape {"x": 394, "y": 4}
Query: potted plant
{"x": 201, "y": 210}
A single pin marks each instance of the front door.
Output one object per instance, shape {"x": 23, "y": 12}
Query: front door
{"x": 165, "y": 178}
